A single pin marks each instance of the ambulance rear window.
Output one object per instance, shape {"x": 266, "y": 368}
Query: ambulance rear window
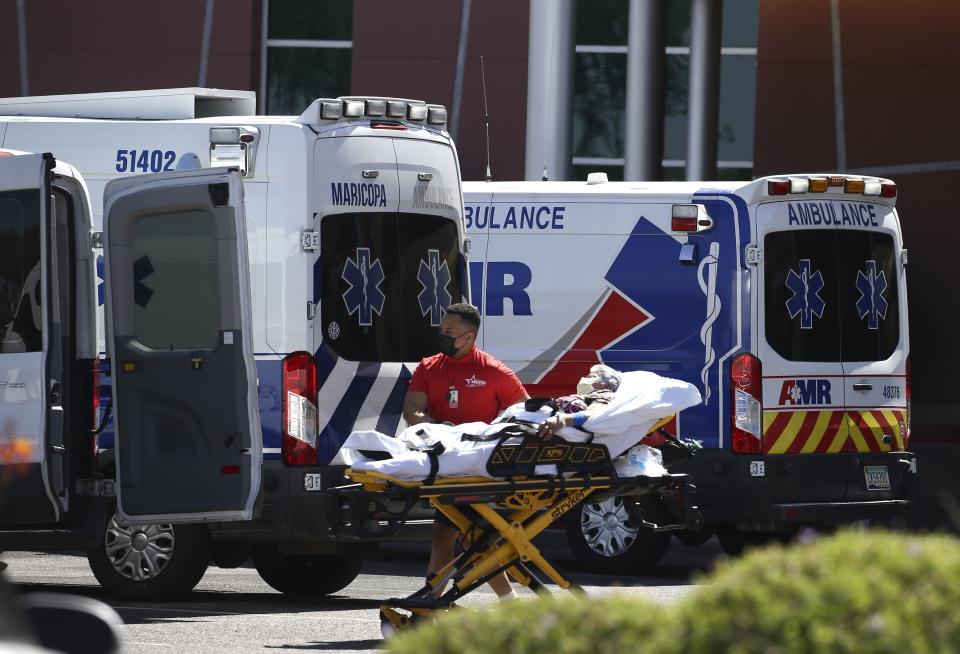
{"x": 831, "y": 295}
{"x": 21, "y": 321}
{"x": 384, "y": 280}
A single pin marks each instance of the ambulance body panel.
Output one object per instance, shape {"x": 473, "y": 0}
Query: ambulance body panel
{"x": 787, "y": 311}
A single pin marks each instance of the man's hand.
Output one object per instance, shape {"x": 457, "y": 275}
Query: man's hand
{"x": 415, "y": 408}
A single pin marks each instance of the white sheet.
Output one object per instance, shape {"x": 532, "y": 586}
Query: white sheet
{"x": 642, "y": 399}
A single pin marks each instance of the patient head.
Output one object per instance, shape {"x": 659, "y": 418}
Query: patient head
{"x": 600, "y": 378}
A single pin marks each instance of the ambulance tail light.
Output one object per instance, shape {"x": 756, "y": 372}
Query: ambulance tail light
{"x": 684, "y": 218}
{"x": 747, "y": 404}
{"x": 95, "y": 406}
{"x": 299, "y": 409}
{"x": 888, "y": 190}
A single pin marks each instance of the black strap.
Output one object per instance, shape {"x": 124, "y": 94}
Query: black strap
{"x": 536, "y": 403}
{"x": 433, "y": 456}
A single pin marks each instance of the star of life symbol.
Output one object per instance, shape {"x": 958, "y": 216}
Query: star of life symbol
{"x": 806, "y": 301}
{"x": 364, "y": 296}
{"x": 872, "y": 304}
{"x": 434, "y": 275}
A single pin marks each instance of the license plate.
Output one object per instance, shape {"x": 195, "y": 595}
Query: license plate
{"x": 311, "y": 481}
{"x": 877, "y": 477}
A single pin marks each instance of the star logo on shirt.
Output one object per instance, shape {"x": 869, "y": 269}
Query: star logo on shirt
{"x": 473, "y": 382}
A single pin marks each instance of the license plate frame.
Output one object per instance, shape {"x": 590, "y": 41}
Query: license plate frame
{"x": 877, "y": 478}
{"x": 312, "y": 482}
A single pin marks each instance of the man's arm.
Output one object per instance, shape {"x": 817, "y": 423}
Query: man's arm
{"x": 415, "y": 408}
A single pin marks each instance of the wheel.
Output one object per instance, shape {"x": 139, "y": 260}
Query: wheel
{"x": 150, "y": 562}
{"x": 605, "y": 536}
{"x": 305, "y": 574}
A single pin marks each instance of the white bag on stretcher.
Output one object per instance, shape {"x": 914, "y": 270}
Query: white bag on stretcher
{"x": 642, "y": 399}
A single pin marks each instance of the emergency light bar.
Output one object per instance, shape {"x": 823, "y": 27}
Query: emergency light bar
{"x": 821, "y": 184}
{"x": 326, "y": 109}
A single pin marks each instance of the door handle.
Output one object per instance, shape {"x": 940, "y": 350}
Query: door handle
{"x": 54, "y": 392}
{"x": 863, "y": 387}
{"x": 370, "y": 174}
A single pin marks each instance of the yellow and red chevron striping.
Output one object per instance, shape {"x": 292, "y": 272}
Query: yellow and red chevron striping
{"x": 818, "y": 432}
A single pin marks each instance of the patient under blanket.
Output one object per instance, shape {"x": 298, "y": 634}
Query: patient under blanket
{"x": 642, "y": 399}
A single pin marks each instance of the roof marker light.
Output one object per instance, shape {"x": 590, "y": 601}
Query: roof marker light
{"x": 778, "y": 186}
{"x": 375, "y": 108}
{"x": 871, "y": 187}
{"x": 854, "y": 186}
{"x": 818, "y": 184}
{"x": 836, "y": 180}
{"x": 417, "y": 112}
{"x": 799, "y": 185}
{"x": 352, "y": 108}
{"x": 331, "y": 110}
{"x": 437, "y": 114}
{"x": 396, "y": 109}
{"x": 888, "y": 190}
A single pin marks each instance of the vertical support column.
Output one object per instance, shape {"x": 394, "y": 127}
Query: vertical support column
{"x": 264, "y": 35}
{"x": 205, "y": 43}
{"x": 550, "y": 90}
{"x": 461, "y": 63}
{"x": 646, "y": 91}
{"x": 703, "y": 105}
{"x": 22, "y": 48}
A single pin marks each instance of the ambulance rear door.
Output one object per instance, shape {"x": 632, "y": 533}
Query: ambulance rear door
{"x": 799, "y": 346}
{"x": 179, "y": 332}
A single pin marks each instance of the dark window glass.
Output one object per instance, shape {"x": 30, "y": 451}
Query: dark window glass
{"x": 739, "y": 23}
{"x": 322, "y": 20}
{"x": 802, "y": 295}
{"x": 390, "y": 275}
{"x": 298, "y": 76}
{"x": 869, "y": 313}
{"x": 602, "y": 22}
{"x": 678, "y": 23}
{"x": 675, "y": 118}
{"x": 21, "y": 316}
{"x": 178, "y": 297}
{"x": 599, "y": 103}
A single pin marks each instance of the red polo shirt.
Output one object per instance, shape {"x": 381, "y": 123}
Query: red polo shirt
{"x": 484, "y": 386}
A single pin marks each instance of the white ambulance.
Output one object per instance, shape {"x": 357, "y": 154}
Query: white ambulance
{"x": 782, "y": 299}
{"x": 261, "y": 302}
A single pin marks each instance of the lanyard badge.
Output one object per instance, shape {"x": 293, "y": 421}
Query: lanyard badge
{"x": 453, "y": 397}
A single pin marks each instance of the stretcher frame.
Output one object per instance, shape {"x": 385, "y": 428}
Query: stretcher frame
{"x": 495, "y": 543}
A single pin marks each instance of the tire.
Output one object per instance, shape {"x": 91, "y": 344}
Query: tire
{"x": 604, "y": 536}
{"x": 305, "y": 574}
{"x": 150, "y": 562}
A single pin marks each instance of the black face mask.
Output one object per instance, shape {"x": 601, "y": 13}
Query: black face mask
{"x": 447, "y": 344}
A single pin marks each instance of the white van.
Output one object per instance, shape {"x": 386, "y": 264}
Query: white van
{"x": 782, "y": 299}
{"x": 351, "y": 247}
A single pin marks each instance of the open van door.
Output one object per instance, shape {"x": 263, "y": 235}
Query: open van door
{"x": 179, "y": 333}
{"x": 31, "y": 421}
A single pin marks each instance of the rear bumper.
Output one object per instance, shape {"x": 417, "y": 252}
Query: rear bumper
{"x": 315, "y": 520}
{"x": 767, "y": 491}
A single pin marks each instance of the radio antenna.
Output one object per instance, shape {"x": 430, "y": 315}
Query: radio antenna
{"x": 486, "y": 115}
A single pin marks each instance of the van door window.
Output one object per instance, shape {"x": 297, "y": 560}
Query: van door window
{"x": 802, "y": 292}
{"x": 387, "y": 278}
{"x": 175, "y": 285}
{"x": 869, "y": 309}
{"x": 21, "y": 320}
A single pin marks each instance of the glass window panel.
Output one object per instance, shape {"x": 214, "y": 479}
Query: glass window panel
{"x": 737, "y": 98}
{"x": 325, "y": 20}
{"x": 177, "y": 287}
{"x": 600, "y": 83}
{"x": 678, "y": 23}
{"x": 740, "y": 23}
{"x": 21, "y": 316}
{"x": 298, "y": 76}
{"x": 602, "y": 22}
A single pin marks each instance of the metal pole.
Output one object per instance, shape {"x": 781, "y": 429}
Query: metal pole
{"x": 551, "y": 45}
{"x": 704, "y": 93}
{"x": 841, "y": 132}
{"x": 264, "y": 34}
{"x": 22, "y": 42}
{"x": 646, "y": 63}
{"x": 461, "y": 61}
{"x": 205, "y": 43}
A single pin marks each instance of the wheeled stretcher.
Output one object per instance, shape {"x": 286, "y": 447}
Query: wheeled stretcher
{"x": 500, "y": 539}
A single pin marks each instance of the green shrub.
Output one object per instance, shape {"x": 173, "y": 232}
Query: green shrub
{"x": 854, "y": 592}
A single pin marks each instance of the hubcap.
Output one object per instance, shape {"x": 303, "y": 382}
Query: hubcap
{"x": 139, "y": 552}
{"x": 608, "y": 528}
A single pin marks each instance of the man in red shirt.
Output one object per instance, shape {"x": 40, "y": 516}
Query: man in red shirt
{"x": 461, "y": 384}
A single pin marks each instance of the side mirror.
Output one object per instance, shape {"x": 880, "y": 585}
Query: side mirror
{"x": 72, "y": 624}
